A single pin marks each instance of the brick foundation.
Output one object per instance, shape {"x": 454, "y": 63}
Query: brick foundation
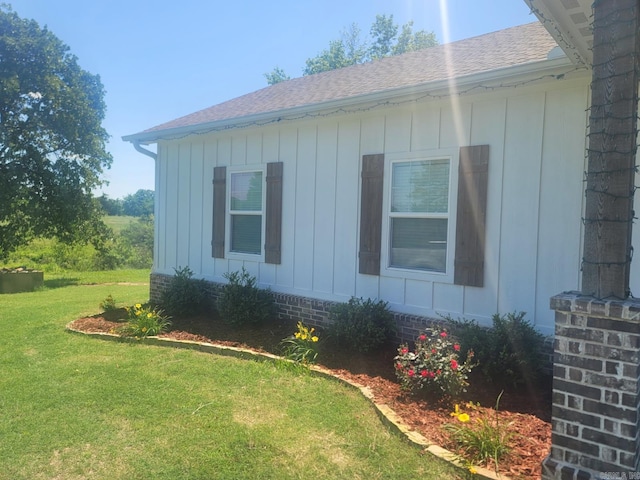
{"x": 316, "y": 312}
{"x": 595, "y": 389}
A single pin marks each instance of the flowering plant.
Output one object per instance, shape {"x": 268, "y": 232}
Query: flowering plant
{"x": 143, "y": 321}
{"x": 434, "y": 367}
{"x": 301, "y": 347}
{"x": 481, "y": 440}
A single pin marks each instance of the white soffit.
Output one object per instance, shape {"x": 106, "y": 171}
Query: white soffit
{"x": 570, "y": 24}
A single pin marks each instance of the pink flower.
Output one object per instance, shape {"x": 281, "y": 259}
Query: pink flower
{"x": 438, "y": 372}
{"x": 454, "y": 364}
{"x": 404, "y": 350}
{"x": 424, "y": 373}
{"x": 443, "y": 334}
{"x": 433, "y": 350}
{"x": 398, "y": 366}
{"x": 411, "y": 373}
{"x": 456, "y": 347}
{"x": 422, "y": 337}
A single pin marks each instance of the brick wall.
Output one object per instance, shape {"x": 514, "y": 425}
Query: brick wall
{"x": 595, "y": 388}
{"x": 315, "y": 312}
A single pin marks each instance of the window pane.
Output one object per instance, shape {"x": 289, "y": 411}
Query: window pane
{"x": 419, "y": 243}
{"x": 246, "y": 191}
{"x": 421, "y": 186}
{"x": 246, "y": 234}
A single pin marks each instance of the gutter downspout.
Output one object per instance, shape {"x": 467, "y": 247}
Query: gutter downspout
{"x": 144, "y": 151}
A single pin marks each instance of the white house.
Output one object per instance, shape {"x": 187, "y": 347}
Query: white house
{"x": 444, "y": 181}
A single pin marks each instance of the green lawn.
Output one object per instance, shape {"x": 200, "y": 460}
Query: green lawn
{"x": 118, "y": 222}
{"x": 74, "y": 407}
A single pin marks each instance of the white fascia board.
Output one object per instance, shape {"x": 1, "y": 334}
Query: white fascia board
{"x": 555, "y": 18}
{"x": 492, "y": 79}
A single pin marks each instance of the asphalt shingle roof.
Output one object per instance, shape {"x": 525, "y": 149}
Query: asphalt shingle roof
{"x": 504, "y": 48}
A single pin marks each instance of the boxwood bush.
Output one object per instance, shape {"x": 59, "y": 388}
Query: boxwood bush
{"x": 363, "y": 325}
{"x": 509, "y": 354}
{"x": 241, "y": 302}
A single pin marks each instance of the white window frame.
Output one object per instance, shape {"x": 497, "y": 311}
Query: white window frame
{"x": 450, "y": 154}
{"x": 229, "y": 213}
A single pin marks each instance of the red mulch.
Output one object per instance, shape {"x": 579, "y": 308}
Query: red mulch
{"x": 526, "y": 412}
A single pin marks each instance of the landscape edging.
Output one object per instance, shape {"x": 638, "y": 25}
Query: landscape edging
{"x": 386, "y": 414}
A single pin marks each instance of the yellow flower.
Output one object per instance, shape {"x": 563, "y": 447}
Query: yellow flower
{"x": 472, "y": 470}
{"x": 137, "y": 305}
{"x": 463, "y": 417}
{"x": 149, "y": 315}
{"x": 314, "y": 339}
{"x": 297, "y": 334}
{"x": 144, "y": 329}
{"x": 456, "y": 411}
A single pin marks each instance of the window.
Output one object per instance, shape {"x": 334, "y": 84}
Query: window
{"x": 419, "y": 215}
{"x": 435, "y": 220}
{"x": 250, "y": 214}
{"x": 246, "y": 212}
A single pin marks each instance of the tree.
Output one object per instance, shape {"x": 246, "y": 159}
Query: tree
{"x": 52, "y": 144}
{"x": 277, "y": 75}
{"x": 408, "y": 41}
{"x": 139, "y": 204}
{"x": 111, "y": 206}
{"x": 351, "y": 49}
{"x": 383, "y": 31}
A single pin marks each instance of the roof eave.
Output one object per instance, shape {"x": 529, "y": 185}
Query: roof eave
{"x": 569, "y": 27}
{"x": 441, "y": 88}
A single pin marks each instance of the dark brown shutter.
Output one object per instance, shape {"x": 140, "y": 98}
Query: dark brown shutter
{"x": 219, "y": 215}
{"x": 473, "y": 175}
{"x": 371, "y": 214}
{"x": 273, "y": 220}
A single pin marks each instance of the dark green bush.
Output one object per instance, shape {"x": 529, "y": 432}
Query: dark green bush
{"x": 185, "y": 296}
{"x": 362, "y": 325}
{"x": 241, "y": 302}
{"x": 509, "y": 354}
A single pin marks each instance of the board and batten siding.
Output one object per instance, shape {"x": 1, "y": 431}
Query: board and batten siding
{"x": 533, "y": 243}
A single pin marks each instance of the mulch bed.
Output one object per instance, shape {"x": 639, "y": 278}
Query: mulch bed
{"x": 526, "y": 412}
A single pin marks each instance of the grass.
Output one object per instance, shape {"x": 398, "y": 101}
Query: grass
{"x": 74, "y": 407}
{"x": 118, "y": 222}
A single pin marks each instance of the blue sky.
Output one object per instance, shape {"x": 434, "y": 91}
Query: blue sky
{"x": 161, "y": 60}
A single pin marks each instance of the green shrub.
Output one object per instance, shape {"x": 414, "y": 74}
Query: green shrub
{"x": 108, "y": 304}
{"x": 434, "y": 368}
{"x": 362, "y": 325}
{"x": 137, "y": 241}
{"x": 143, "y": 321}
{"x": 509, "y": 353}
{"x": 185, "y": 296}
{"x": 241, "y": 302}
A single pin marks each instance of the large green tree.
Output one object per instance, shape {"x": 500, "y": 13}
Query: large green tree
{"x": 52, "y": 143}
{"x": 139, "y": 204}
{"x": 352, "y": 49}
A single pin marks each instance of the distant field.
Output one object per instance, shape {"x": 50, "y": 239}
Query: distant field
{"x": 117, "y": 223}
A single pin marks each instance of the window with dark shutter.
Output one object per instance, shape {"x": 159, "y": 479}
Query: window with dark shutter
{"x": 471, "y": 215}
{"x": 219, "y": 202}
{"x": 273, "y": 220}
{"x": 371, "y": 214}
